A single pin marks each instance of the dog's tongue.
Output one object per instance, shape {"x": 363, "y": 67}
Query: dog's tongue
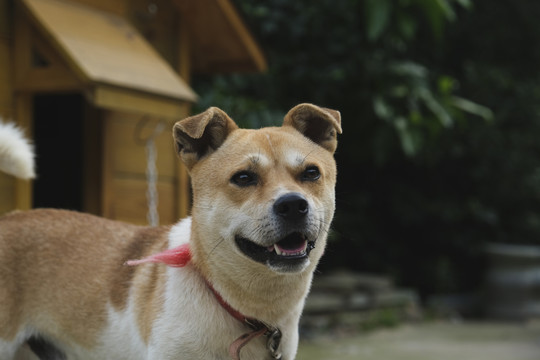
{"x": 288, "y": 251}
{"x": 293, "y": 244}
{"x": 175, "y": 257}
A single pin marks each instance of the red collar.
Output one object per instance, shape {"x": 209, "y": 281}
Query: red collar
{"x": 180, "y": 257}
{"x": 234, "y": 313}
{"x": 259, "y": 328}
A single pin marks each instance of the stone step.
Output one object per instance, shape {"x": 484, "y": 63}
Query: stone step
{"x": 322, "y": 302}
{"x": 346, "y": 291}
{"x": 353, "y": 300}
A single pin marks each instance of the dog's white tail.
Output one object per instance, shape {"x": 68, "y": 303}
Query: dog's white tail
{"x": 16, "y": 152}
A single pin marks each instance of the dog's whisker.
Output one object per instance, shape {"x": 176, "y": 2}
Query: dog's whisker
{"x": 216, "y": 246}
{"x": 305, "y": 157}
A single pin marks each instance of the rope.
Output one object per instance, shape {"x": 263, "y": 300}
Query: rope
{"x": 152, "y": 196}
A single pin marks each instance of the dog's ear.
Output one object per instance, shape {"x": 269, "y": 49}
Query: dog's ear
{"x": 201, "y": 134}
{"x": 321, "y": 125}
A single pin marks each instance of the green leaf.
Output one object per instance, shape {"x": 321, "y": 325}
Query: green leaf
{"x": 407, "y": 26}
{"x": 437, "y": 109}
{"x": 467, "y": 4}
{"x": 408, "y": 68}
{"x": 382, "y": 109}
{"x": 446, "y": 9}
{"x": 437, "y": 13}
{"x": 406, "y": 137}
{"x": 377, "y": 17}
{"x": 472, "y": 108}
{"x": 446, "y": 84}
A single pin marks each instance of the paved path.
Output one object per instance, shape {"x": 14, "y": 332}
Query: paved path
{"x": 432, "y": 341}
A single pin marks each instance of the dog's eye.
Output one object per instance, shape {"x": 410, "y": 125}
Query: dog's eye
{"x": 312, "y": 173}
{"x": 244, "y": 178}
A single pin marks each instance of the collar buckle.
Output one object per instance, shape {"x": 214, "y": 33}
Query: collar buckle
{"x": 274, "y": 342}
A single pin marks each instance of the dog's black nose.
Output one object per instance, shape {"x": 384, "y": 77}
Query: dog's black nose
{"x": 291, "y": 206}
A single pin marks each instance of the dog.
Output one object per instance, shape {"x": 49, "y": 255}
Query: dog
{"x": 16, "y": 152}
{"x": 229, "y": 282}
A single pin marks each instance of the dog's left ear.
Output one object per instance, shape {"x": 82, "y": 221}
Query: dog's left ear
{"x": 201, "y": 134}
{"x": 321, "y": 125}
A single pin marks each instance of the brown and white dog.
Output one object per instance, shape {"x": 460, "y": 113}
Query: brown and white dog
{"x": 240, "y": 267}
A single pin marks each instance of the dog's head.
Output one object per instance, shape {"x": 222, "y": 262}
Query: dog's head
{"x": 261, "y": 197}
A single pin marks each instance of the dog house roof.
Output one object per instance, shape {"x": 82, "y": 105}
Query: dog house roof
{"x": 119, "y": 69}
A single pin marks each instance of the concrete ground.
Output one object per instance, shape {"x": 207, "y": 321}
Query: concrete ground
{"x": 431, "y": 341}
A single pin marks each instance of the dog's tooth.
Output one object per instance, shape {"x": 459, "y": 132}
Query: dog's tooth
{"x": 277, "y": 249}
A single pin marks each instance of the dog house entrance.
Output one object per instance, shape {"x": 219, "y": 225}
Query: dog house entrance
{"x": 58, "y": 124}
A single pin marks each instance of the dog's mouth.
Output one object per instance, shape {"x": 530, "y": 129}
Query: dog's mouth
{"x": 290, "y": 251}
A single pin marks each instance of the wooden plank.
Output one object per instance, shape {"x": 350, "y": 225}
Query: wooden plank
{"x": 156, "y": 21}
{"x": 128, "y": 155}
{"x": 107, "y": 194}
{"x": 5, "y": 19}
{"x": 117, "y": 98}
{"x": 6, "y": 98}
{"x": 54, "y": 75}
{"x": 22, "y": 47}
{"x": 102, "y": 51}
{"x": 131, "y": 205}
{"x": 124, "y": 180}
{"x": 92, "y": 157}
{"x": 117, "y": 7}
{"x": 221, "y": 40}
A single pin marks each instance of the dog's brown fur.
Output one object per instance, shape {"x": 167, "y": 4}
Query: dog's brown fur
{"x": 44, "y": 268}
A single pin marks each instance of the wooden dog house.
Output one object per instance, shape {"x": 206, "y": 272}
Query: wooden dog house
{"x": 90, "y": 80}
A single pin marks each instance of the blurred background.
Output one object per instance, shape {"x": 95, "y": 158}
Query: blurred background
{"x": 439, "y": 159}
{"x": 438, "y": 211}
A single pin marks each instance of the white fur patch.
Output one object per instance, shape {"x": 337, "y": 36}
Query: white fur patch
{"x": 294, "y": 158}
{"x": 180, "y": 233}
{"x": 16, "y": 152}
{"x": 121, "y": 339}
{"x": 9, "y": 348}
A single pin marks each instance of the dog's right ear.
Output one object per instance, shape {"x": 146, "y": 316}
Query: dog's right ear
{"x": 201, "y": 134}
{"x": 321, "y": 125}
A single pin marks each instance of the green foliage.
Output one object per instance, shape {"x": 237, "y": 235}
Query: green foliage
{"x": 229, "y": 93}
{"x": 399, "y": 18}
{"x": 414, "y": 103}
{"x": 439, "y": 99}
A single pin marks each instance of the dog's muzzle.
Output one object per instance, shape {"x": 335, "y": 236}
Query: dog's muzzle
{"x": 290, "y": 252}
